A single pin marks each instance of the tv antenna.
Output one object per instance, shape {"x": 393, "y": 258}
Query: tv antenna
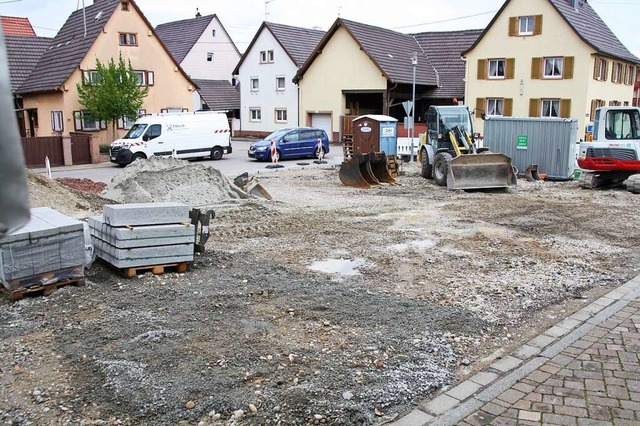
{"x": 266, "y": 9}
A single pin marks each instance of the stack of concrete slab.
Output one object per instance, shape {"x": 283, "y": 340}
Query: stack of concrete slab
{"x": 139, "y": 235}
{"x": 47, "y": 250}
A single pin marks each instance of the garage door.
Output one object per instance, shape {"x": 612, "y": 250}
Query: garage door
{"x": 322, "y": 121}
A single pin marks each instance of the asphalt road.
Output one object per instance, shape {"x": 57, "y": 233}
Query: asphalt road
{"x": 231, "y": 165}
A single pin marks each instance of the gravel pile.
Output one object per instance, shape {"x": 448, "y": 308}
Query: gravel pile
{"x": 168, "y": 179}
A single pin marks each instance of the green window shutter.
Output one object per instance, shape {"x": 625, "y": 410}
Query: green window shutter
{"x": 537, "y": 25}
{"x": 481, "y": 105}
{"x": 536, "y": 68}
{"x": 534, "y": 108}
{"x": 510, "y": 68}
{"x": 482, "y": 69}
{"x": 567, "y": 67}
{"x": 565, "y": 108}
{"x": 513, "y": 26}
{"x": 508, "y": 107}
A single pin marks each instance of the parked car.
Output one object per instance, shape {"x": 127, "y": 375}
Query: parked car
{"x": 296, "y": 142}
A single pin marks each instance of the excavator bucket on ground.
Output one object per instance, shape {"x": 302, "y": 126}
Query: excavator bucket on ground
{"x": 481, "y": 171}
{"x": 366, "y": 170}
{"x": 380, "y": 167}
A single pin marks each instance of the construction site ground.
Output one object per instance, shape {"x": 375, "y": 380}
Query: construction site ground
{"x": 327, "y": 305}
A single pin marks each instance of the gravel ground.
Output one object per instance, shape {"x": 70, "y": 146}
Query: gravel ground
{"x": 328, "y": 305}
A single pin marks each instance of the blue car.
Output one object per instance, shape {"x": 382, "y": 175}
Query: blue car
{"x": 299, "y": 142}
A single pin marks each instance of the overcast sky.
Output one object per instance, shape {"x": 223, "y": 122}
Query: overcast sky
{"x": 243, "y": 17}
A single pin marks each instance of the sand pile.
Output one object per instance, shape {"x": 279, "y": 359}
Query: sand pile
{"x": 168, "y": 179}
{"x": 45, "y": 192}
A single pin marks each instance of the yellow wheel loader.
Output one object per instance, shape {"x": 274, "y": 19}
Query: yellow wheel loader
{"x": 449, "y": 155}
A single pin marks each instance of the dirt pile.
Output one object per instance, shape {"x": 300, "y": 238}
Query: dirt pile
{"x": 45, "y": 192}
{"x": 168, "y": 179}
{"x": 86, "y": 185}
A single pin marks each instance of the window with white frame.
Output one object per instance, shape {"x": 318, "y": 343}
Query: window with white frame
{"x": 525, "y": 25}
{"x": 616, "y": 73}
{"x": 495, "y": 106}
{"x": 550, "y": 108}
{"x": 124, "y": 123}
{"x": 84, "y": 121}
{"x": 630, "y": 75}
{"x": 601, "y": 69}
{"x": 255, "y": 114}
{"x": 255, "y": 84}
{"x": 266, "y": 56}
{"x": 281, "y": 115}
{"x": 209, "y": 56}
{"x": 553, "y": 67}
{"x": 57, "y": 123}
{"x": 141, "y": 77}
{"x": 280, "y": 83}
{"x": 496, "y": 68}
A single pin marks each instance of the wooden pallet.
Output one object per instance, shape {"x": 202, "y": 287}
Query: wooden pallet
{"x": 155, "y": 269}
{"x": 45, "y": 284}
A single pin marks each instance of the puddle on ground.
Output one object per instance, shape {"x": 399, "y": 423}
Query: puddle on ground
{"x": 344, "y": 267}
{"x": 419, "y": 245}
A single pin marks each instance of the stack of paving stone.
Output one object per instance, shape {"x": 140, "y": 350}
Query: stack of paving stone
{"x": 143, "y": 235}
{"x": 47, "y": 252}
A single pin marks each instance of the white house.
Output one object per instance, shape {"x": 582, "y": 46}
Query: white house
{"x": 268, "y": 97}
{"x": 204, "y": 49}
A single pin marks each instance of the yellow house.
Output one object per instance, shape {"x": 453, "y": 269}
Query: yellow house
{"x": 359, "y": 69}
{"x": 548, "y": 58}
{"x": 101, "y": 31}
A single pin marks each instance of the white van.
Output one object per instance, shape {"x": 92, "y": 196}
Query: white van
{"x": 190, "y": 134}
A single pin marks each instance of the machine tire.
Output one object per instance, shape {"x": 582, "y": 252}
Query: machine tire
{"x": 441, "y": 168}
{"x": 633, "y": 184}
{"x": 216, "y": 153}
{"x": 427, "y": 169}
{"x": 138, "y": 156}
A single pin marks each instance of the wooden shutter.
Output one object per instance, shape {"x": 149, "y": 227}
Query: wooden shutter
{"x": 513, "y": 26}
{"x": 77, "y": 120}
{"x": 151, "y": 80}
{"x": 537, "y": 25}
{"x": 592, "y": 113}
{"x": 565, "y": 108}
{"x": 606, "y": 70}
{"x": 536, "y": 68}
{"x": 508, "y": 107}
{"x": 567, "y": 67}
{"x": 482, "y": 69}
{"x": 534, "y": 108}
{"x": 481, "y": 105}
{"x": 596, "y": 64}
{"x": 510, "y": 68}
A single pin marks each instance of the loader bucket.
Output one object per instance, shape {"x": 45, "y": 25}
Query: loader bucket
{"x": 481, "y": 171}
{"x": 357, "y": 172}
{"x": 380, "y": 167}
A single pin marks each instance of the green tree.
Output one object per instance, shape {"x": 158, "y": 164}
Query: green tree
{"x": 113, "y": 92}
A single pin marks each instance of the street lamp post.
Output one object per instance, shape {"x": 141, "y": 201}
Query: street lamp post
{"x": 414, "y": 62}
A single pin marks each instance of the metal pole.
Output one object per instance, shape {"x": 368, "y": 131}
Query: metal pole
{"x": 414, "y": 61}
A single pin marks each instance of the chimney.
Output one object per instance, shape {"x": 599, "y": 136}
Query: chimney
{"x": 575, "y": 4}
{"x": 198, "y": 15}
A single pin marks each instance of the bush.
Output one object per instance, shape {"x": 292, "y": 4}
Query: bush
{"x": 104, "y": 148}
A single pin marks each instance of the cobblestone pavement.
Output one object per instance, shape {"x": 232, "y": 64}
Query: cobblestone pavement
{"x": 585, "y": 371}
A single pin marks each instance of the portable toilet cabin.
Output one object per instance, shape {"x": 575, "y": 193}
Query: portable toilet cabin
{"x": 375, "y": 133}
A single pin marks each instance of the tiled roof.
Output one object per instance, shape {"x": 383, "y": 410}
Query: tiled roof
{"x": 297, "y": 42}
{"x": 586, "y": 23}
{"x": 12, "y": 25}
{"x": 23, "y": 54}
{"x": 69, "y": 47}
{"x": 181, "y": 36}
{"x": 391, "y": 51}
{"x": 219, "y": 95}
{"x": 592, "y": 29}
{"x": 444, "y": 50}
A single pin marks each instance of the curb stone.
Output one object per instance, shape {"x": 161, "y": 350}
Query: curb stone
{"x": 455, "y": 404}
